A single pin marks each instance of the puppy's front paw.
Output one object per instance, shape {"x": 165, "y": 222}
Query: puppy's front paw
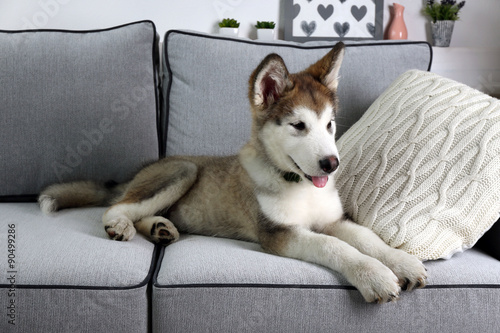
{"x": 375, "y": 281}
{"x": 120, "y": 228}
{"x": 410, "y": 271}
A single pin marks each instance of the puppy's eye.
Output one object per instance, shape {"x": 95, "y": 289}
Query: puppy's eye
{"x": 300, "y": 126}
{"x": 329, "y": 126}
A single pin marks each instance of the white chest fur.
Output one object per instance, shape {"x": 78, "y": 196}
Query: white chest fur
{"x": 302, "y": 204}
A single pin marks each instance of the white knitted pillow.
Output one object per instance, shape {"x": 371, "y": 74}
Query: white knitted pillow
{"x": 421, "y": 168}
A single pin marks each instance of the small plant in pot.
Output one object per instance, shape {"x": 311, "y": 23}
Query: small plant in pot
{"x": 265, "y": 30}
{"x": 229, "y": 26}
{"x": 443, "y": 15}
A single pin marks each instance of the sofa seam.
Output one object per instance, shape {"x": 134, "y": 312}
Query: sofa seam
{"x": 84, "y": 31}
{"x": 312, "y": 287}
{"x": 154, "y": 279}
{"x": 166, "y": 98}
{"x": 253, "y": 286}
{"x": 157, "y": 85}
{"x": 297, "y": 46}
{"x": 21, "y": 198}
{"x": 144, "y": 283}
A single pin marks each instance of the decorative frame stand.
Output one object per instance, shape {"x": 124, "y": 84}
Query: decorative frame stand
{"x": 307, "y": 20}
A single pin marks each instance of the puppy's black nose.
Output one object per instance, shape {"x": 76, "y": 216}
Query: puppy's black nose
{"x": 329, "y": 164}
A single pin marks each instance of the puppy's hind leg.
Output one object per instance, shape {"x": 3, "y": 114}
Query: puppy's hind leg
{"x": 152, "y": 190}
{"x": 158, "y": 228}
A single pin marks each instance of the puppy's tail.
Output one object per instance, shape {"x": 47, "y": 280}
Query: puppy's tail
{"x": 79, "y": 194}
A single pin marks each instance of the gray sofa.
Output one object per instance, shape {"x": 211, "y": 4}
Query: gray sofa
{"x": 98, "y": 105}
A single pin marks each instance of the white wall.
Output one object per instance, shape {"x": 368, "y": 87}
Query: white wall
{"x": 479, "y": 26}
{"x": 200, "y": 15}
{"x": 476, "y": 36}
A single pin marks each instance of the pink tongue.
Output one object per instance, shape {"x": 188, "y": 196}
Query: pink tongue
{"x": 320, "y": 181}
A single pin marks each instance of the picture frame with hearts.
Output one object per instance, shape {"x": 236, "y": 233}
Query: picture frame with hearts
{"x": 307, "y": 20}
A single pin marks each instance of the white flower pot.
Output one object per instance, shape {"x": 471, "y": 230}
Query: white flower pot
{"x": 265, "y": 34}
{"x": 233, "y": 32}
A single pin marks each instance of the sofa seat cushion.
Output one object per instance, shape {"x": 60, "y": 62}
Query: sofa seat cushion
{"x": 233, "y": 286}
{"x": 64, "y": 271}
{"x": 227, "y": 261}
{"x": 76, "y": 105}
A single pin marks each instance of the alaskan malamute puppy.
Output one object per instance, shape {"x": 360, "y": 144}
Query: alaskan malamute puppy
{"x": 278, "y": 191}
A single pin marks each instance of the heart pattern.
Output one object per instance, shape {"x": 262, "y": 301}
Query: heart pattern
{"x": 296, "y": 10}
{"x": 308, "y": 28}
{"x": 341, "y": 29}
{"x": 325, "y": 12}
{"x": 347, "y": 18}
{"x": 358, "y": 12}
{"x": 371, "y": 28}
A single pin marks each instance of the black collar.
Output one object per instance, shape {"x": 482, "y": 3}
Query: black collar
{"x": 291, "y": 177}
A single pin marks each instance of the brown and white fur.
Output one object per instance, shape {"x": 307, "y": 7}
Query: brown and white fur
{"x": 247, "y": 196}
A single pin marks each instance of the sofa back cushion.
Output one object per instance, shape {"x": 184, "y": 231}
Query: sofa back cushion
{"x": 205, "y": 84}
{"x": 76, "y": 105}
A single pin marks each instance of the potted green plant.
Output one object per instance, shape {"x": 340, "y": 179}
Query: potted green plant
{"x": 229, "y": 26}
{"x": 443, "y": 15}
{"x": 265, "y": 30}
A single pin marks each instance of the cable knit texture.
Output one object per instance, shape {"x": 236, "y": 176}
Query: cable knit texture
{"x": 421, "y": 168}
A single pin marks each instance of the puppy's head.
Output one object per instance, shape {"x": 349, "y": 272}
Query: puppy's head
{"x": 293, "y": 114}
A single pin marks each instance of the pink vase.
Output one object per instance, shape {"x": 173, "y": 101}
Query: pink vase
{"x": 397, "y": 29}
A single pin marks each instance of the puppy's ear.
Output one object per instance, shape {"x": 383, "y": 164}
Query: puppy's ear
{"x": 269, "y": 82}
{"x": 326, "y": 70}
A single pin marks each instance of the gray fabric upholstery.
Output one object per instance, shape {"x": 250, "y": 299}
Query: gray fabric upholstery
{"x": 210, "y": 284}
{"x": 283, "y": 310}
{"x": 232, "y": 286}
{"x": 76, "y": 105}
{"x": 59, "y": 89}
{"x": 78, "y": 243}
{"x": 205, "y": 84}
{"x": 68, "y": 272}
{"x": 243, "y": 262}
{"x": 70, "y": 310}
